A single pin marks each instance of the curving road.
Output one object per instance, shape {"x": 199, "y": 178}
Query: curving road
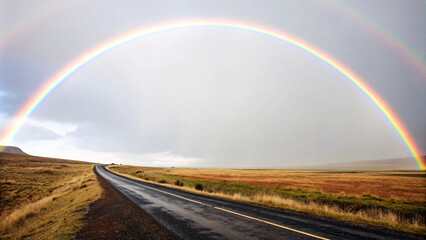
{"x": 193, "y": 216}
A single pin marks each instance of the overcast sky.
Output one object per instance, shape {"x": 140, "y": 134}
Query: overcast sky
{"x": 214, "y": 97}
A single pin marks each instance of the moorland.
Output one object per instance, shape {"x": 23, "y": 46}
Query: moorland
{"x": 44, "y": 198}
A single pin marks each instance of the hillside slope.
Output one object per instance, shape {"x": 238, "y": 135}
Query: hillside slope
{"x": 34, "y": 191}
{"x": 11, "y": 149}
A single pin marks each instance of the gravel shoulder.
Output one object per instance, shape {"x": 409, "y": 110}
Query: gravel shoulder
{"x": 114, "y": 216}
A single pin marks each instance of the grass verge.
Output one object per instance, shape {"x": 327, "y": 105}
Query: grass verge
{"x": 44, "y": 198}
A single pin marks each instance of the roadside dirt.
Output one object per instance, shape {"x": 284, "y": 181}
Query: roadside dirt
{"x": 114, "y": 216}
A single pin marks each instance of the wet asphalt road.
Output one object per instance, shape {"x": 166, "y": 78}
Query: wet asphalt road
{"x": 193, "y": 216}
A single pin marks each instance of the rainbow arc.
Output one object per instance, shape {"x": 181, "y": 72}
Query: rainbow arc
{"x": 53, "y": 82}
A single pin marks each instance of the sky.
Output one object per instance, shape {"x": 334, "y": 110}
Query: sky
{"x": 212, "y": 97}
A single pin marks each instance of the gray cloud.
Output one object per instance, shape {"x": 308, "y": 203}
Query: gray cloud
{"x": 31, "y": 133}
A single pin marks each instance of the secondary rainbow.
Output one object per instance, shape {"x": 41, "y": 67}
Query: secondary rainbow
{"x": 20, "y": 117}
{"x": 410, "y": 54}
{"x": 36, "y": 16}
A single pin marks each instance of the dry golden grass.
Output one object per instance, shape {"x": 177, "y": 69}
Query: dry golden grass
{"x": 408, "y": 185}
{"x": 44, "y": 198}
{"x": 383, "y": 212}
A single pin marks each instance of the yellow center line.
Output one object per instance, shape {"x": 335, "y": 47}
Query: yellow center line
{"x": 235, "y": 213}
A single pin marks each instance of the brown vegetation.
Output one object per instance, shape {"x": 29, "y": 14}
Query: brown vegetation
{"x": 409, "y": 185}
{"x": 44, "y": 198}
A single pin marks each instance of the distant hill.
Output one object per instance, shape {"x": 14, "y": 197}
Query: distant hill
{"x": 373, "y": 165}
{"x": 12, "y": 149}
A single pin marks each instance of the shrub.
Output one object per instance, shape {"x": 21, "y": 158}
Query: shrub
{"x": 163, "y": 181}
{"x": 178, "y": 183}
{"x": 199, "y": 186}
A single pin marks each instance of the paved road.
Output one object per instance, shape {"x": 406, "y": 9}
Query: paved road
{"x": 193, "y": 216}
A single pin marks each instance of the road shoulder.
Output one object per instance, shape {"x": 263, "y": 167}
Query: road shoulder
{"x": 114, "y": 216}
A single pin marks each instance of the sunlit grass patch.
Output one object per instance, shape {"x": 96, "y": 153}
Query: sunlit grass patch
{"x": 44, "y": 198}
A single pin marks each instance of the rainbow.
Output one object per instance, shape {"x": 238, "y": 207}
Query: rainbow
{"x": 53, "y": 82}
{"x": 411, "y": 55}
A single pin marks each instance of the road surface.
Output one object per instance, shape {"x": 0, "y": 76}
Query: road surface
{"x": 193, "y": 216}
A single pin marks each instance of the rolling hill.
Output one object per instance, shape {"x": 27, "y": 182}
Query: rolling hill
{"x": 12, "y": 149}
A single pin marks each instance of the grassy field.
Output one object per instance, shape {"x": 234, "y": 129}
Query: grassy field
{"x": 393, "y": 200}
{"x": 44, "y": 198}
